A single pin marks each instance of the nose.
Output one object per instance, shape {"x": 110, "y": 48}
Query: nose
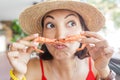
{"x": 61, "y": 33}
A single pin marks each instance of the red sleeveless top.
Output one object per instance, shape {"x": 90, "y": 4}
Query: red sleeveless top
{"x": 90, "y": 75}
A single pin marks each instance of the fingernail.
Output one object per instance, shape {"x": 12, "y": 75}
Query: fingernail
{"x": 36, "y": 35}
{"x": 80, "y": 39}
{"x": 35, "y": 43}
{"x": 25, "y": 49}
{"x": 82, "y": 32}
{"x": 92, "y": 45}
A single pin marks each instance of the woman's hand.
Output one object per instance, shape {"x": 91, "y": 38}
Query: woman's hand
{"x": 19, "y": 54}
{"x": 99, "y": 50}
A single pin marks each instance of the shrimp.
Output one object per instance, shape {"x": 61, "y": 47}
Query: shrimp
{"x": 44, "y": 40}
{"x": 74, "y": 38}
{"x": 59, "y": 41}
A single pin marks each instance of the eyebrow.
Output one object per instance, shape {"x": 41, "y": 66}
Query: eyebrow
{"x": 49, "y": 16}
{"x": 70, "y": 15}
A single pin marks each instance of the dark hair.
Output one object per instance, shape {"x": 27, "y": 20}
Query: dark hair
{"x": 81, "y": 54}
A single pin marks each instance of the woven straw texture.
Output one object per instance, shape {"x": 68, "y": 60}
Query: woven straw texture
{"x": 30, "y": 18}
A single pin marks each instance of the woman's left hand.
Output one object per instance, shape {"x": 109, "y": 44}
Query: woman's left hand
{"x": 98, "y": 48}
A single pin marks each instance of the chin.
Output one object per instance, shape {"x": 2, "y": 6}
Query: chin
{"x": 63, "y": 55}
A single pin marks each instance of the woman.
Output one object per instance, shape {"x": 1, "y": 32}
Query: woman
{"x": 60, "y": 61}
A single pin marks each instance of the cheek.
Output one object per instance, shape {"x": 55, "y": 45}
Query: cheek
{"x": 74, "y": 31}
{"x": 49, "y": 34}
{"x": 63, "y": 54}
{"x": 50, "y": 48}
{"x": 74, "y": 46}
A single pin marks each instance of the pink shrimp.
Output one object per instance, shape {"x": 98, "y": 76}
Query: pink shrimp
{"x": 59, "y": 41}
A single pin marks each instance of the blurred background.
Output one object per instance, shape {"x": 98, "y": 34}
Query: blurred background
{"x": 10, "y": 30}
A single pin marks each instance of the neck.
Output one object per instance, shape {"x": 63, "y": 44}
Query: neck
{"x": 65, "y": 67}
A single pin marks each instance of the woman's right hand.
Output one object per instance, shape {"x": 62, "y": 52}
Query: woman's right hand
{"x": 19, "y": 54}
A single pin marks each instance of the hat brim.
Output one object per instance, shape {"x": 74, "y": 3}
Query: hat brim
{"x": 30, "y": 18}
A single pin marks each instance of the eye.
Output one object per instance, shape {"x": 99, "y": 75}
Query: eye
{"x": 71, "y": 24}
{"x": 50, "y": 25}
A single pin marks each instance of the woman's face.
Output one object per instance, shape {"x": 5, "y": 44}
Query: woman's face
{"x": 60, "y": 24}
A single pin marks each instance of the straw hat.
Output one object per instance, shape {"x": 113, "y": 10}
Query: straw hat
{"x": 30, "y": 18}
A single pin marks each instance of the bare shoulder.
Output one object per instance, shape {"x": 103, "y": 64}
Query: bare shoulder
{"x": 34, "y": 69}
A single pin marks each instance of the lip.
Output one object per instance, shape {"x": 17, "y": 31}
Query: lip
{"x": 60, "y": 46}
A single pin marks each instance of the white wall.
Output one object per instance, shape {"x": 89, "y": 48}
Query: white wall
{"x": 10, "y": 9}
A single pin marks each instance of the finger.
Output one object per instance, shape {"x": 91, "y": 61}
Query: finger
{"x": 38, "y": 50}
{"x": 102, "y": 43}
{"x": 98, "y": 43}
{"x": 92, "y": 34}
{"x": 31, "y": 37}
{"x": 94, "y": 52}
{"x": 18, "y": 46}
{"x": 13, "y": 55}
{"x": 109, "y": 51}
{"x": 82, "y": 47}
{"x": 28, "y": 43}
{"x": 89, "y": 40}
{"x": 11, "y": 48}
{"x": 30, "y": 49}
{"x": 89, "y": 46}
